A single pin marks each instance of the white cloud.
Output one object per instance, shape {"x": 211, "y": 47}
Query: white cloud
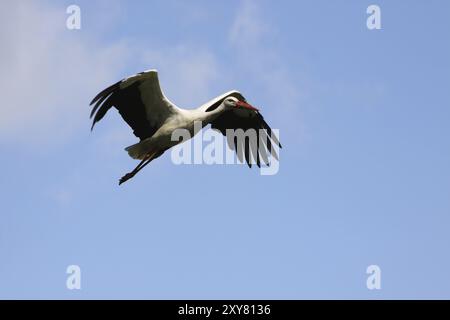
{"x": 248, "y": 29}
{"x": 48, "y": 72}
{"x": 252, "y": 38}
{"x": 191, "y": 70}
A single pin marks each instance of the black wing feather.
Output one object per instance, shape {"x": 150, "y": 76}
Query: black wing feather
{"x": 231, "y": 120}
{"x": 105, "y": 93}
{"x": 129, "y": 104}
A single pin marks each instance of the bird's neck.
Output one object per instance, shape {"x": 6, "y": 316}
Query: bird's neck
{"x": 207, "y": 116}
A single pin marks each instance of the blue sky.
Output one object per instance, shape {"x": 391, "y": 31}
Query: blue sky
{"x": 364, "y": 170}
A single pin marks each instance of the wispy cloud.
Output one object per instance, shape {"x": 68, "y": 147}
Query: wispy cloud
{"x": 248, "y": 29}
{"x": 48, "y": 72}
{"x": 252, "y": 38}
{"x": 191, "y": 69}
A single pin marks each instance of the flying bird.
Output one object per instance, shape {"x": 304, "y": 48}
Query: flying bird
{"x": 153, "y": 117}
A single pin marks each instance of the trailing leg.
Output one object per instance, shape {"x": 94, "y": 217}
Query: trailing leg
{"x": 138, "y": 168}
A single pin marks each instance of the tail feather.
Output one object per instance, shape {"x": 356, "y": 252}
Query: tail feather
{"x": 138, "y": 150}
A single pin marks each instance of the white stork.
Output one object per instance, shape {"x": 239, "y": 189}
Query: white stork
{"x": 142, "y": 104}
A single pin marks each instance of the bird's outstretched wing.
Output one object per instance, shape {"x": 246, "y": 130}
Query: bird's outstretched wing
{"x": 260, "y": 147}
{"x": 139, "y": 100}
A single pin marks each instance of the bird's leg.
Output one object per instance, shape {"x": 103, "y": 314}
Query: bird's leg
{"x": 131, "y": 174}
{"x": 138, "y": 168}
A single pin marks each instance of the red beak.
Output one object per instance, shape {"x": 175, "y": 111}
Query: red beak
{"x": 242, "y": 104}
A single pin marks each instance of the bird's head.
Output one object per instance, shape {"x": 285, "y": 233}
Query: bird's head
{"x": 232, "y": 102}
